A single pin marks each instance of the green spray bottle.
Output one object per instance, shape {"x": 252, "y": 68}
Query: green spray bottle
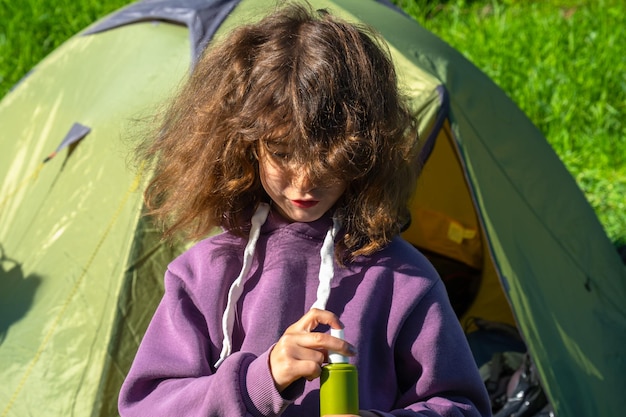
{"x": 339, "y": 384}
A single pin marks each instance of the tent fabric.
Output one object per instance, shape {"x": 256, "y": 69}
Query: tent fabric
{"x": 81, "y": 268}
{"x": 201, "y": 17}
{"x": 72, "y": 232}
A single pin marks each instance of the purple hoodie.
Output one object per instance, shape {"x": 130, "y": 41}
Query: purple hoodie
{"x": 413, "y": 358}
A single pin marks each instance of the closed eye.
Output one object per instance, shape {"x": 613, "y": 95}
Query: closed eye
{"x": 283, "y": 156}
{"x": 279, "y": 151}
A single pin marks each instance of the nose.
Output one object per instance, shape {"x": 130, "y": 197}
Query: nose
{"x": 302, "y": 180}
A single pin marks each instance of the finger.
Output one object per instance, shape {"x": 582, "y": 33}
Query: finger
{"x": 314, "y": 318}
{"x": 317, "y": 341}
{"x": 300, "y": 346}
{"x": 310, "y": 370}
{"x": 290, "y": 361}
{"x": 289, "y": 355}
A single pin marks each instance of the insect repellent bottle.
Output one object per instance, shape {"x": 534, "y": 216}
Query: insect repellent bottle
{"x": 339, "y": 385}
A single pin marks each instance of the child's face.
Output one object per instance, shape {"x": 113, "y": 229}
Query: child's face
{"x": 295, "y": 196}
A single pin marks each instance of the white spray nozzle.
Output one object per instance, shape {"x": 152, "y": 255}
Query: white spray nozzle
{"x": 334, "y": 357}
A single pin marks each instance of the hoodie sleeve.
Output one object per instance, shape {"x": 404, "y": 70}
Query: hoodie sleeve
{"x": 172, "y": 374}
{"x": 438, "y": 372}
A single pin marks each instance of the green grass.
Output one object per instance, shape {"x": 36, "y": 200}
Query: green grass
{"x": 562, "y": 62}
{"x": 31, "y": 29}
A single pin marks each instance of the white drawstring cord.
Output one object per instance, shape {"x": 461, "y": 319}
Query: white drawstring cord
{"x": 327, "y": 271}
{"x": 236, "y": 288}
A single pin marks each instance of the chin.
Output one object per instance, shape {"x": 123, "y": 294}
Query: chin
{"x": 304, "y": 217}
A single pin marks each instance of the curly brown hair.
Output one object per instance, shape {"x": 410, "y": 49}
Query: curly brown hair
{"x": 305, "y": 78}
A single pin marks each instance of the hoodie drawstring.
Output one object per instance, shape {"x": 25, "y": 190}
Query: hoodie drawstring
{"x": 327, "y": 270}
{"x": 236, "y": 289}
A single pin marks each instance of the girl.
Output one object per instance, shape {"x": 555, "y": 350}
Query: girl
{"x": 292, "y": 137}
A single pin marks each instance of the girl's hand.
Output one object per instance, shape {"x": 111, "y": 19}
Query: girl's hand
{"x": 300, "y": 352}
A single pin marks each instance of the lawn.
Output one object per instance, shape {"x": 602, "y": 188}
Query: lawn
{"x": 562, "y": 62}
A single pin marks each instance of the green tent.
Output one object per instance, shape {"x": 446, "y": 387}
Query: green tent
{"x": 81, "y": 269}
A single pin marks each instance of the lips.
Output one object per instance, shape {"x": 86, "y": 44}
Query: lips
{"x": 304, "y": 203}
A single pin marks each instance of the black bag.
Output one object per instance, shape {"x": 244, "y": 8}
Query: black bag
{"x": 524, "y": 396}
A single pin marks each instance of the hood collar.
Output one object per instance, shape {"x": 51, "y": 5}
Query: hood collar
{"x": 264, "y": 220}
